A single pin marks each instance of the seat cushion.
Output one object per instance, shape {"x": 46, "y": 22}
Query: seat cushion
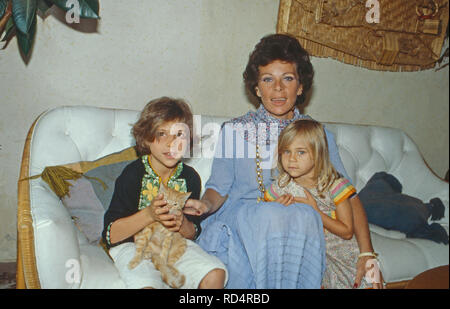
{"x": 403, "y": 258}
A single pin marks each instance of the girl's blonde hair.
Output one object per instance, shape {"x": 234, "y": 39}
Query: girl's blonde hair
{"x": 315, "y": 138}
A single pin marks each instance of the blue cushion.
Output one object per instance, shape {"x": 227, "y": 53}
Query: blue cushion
{"x": 88, "y": 199}
{"x": 108, "y": 174}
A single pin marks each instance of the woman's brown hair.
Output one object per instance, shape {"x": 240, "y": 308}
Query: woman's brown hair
{"x": 154, "y": 114}
{"x": 279, "y": 47}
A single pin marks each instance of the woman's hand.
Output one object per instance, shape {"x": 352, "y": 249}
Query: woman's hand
{"x": 309, "y": 200}
{"x": 362, "y": 267}
{"x": 195, "y": 207}
{"x": 285, "y": 199}
{"x": 210, "y": 203}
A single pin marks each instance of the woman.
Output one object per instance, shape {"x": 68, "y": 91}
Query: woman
{"x": 265, "y": 244}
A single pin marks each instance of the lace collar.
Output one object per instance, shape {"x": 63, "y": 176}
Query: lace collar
{"x": 260, "y": 126}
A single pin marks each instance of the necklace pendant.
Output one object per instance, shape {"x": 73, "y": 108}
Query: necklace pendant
{"x": 261, "y": 198}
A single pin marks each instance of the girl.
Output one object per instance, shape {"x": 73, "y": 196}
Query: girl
{"x": 164, "y": 125}
{"x": 306, "y": 175}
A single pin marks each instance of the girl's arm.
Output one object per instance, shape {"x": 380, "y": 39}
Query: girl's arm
{"x": 126, "y": 227}
{"x": 362, "y": 234}
{"x": 342, "y": 226}
{"x": 361, "y": 225}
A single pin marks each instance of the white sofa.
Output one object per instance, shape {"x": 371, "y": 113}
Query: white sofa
{"x": 50, "y": 247}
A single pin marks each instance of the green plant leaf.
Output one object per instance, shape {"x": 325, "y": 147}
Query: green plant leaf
{"x": 3, "y": 6}
{"x": 25, "y": 40}
{"x": 24, "y": 12}
{"x": 44, "y": 5}
{"x": 88, "y": 8}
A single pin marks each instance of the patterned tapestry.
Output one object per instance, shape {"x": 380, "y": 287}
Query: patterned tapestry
{"x": 386, "y": 35}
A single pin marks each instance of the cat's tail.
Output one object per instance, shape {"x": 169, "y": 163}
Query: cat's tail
{"x": 169, "y": 274}
{"x": 135, "y": 261}
{"x": 173, "y": 277}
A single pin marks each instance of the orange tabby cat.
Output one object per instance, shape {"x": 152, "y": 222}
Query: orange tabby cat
{"x": 162, "y": 246}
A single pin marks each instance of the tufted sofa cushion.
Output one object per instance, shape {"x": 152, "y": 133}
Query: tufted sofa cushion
{"x": 82, "y": 133}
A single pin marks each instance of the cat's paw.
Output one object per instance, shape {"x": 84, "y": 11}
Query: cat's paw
{"x": 133, "y": 264}
{"x": 178, "y": 282}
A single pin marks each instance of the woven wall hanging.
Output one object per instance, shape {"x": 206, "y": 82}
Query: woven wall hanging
{"x": 387, "y": 35}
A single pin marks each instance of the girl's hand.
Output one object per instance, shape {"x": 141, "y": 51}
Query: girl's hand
{"x": 175, "y": 225}
{"x": 362, "y": 267}
{"x": 195, "y": 207}
{"x": 285, "y": 199}
{"x": 309, "y": 200}
{"x": 159, "y": 212}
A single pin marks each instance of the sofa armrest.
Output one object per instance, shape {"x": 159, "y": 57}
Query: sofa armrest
{"x": 56, "y": 243}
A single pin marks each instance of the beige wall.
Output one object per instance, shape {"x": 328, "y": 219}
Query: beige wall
{"x": 197, "y": 50}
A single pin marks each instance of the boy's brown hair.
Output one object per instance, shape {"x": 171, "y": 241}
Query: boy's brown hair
{"x": 154, "y": 114}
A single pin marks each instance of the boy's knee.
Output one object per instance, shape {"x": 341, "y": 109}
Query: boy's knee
{"x": 215, "y": 279}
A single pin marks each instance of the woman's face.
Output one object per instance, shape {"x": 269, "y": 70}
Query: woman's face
{"x": 278, "y": 87}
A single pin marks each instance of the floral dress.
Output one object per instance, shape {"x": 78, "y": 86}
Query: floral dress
{"x": 341, "y": 254}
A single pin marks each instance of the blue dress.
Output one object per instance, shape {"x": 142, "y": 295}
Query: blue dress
{"x": 263, "y": 245}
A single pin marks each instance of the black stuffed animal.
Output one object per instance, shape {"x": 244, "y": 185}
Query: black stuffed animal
{"x": 387, "y": 207}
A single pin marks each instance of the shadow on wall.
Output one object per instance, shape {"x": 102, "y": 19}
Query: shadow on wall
{"x": 85, "y": 25}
